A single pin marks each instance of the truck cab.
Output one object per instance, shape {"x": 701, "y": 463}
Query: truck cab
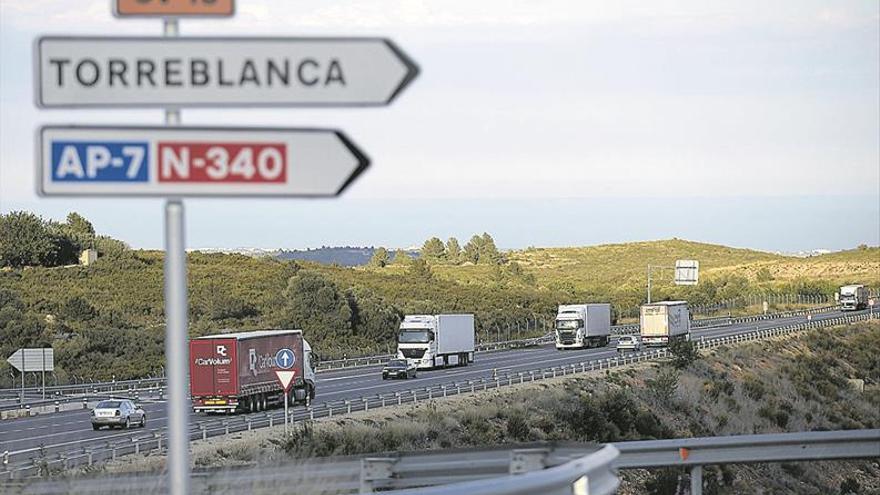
{"x": 853, "y": 297}
{"x": 435, "y": 341}
{"x": 583, "y": 325}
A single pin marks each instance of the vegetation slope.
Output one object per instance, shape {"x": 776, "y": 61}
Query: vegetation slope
{"x": 107, "y": 319}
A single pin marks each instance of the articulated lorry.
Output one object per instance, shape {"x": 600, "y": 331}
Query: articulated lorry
{"x": 663, "y": 322}
{"x": 235, "y": 372}
{"x": 579, "y": 326}
{"x": 853, "y": 297}
{"x": 436, "y": 341}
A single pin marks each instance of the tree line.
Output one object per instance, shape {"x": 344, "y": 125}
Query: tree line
{"x": 29, "y": 240}
{"x": 480, "y": 249}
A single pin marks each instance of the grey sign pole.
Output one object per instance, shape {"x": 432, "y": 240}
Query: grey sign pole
{"x": 176, "y": 352}
{"x": 44, "y": 372}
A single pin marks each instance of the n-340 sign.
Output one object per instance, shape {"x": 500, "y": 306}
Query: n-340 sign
{"x": 188, "y": 161}
{"x": 184, "y": 72}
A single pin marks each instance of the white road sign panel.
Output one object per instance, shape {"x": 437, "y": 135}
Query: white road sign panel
{"x": 190, "y": 72}
{"x": 28, "y": 360}
{"x": 195, "y": 161}
{"x": 285, "y": 378}
{"x": 687, "y": 272}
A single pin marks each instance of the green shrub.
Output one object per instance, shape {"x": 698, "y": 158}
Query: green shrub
{"x": 684, "y": 353}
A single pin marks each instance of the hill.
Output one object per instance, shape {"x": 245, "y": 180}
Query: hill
{"x": 109, "y": 316}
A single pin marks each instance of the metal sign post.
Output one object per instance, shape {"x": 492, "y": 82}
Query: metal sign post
{"x": 176, "y": 332}
{"x": 285, "y": 378}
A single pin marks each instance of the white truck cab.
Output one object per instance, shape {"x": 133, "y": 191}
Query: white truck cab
{"x": 583, "y": 325}
{"x": 437, "y": 341}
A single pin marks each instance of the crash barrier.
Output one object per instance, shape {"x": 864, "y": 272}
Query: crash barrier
{"x": 525, "y": 469}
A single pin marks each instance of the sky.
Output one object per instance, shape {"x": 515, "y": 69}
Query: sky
{"x": 748, "y": 123}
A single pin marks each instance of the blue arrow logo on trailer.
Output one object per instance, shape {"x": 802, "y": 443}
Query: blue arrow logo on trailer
{"x": 285, "y": 359}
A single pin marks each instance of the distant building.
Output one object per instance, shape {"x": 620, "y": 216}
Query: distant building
{"x": 88, "y": 257}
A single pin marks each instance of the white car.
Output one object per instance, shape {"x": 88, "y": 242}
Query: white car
{"x": 629, "y": 343}
{"x": 119, "y": 413}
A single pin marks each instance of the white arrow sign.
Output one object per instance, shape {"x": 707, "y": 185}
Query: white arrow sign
{"x": 28, "y": 360}
{"x": 188, "y": 72}
{"x": 190, "y": 161}
{"x": 285, "y": 378}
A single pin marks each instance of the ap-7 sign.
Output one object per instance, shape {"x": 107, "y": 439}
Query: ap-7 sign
{"x": 181, "y": 161}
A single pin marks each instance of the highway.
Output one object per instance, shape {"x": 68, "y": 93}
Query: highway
{"x": 72, "y": 430}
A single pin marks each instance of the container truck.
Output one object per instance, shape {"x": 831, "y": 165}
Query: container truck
{"x": 663, "y": 322}
{"x": 235, "y": 372}
{"x": 579, "y": 326}
{"x": 853, "y": 297}
{"x": 436, "y": 341}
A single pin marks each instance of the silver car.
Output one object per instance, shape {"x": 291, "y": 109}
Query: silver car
{"x": 629, "y": 343}
{"x": 121, "y": 413}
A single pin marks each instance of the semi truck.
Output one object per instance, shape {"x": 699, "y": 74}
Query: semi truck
{"x": 579, "y": 326}
{"x": 437, "y": 341}
{"x": 663, "y": 322}
{"x": 235, "y": 372}
{"x": 853, "y": 297}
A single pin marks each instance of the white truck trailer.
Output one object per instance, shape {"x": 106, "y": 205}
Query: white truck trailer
{"x": 437, "y": 341}
{"x": 579, "y": 326}
{"x": 853, "y": 297}
{"x": 663, "y": 322}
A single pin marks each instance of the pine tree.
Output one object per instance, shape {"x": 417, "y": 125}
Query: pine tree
{"x": 401, "y": 258}
{"x": 453, "y": 251}
{"x": 433, "y": 250}
{"x": 380, "y": 258}
{"x": 473, "y": 249}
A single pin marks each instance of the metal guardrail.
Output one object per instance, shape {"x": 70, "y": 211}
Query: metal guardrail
{"x": 38, "y": 460}
{"x": 553, "y": 469}
{"x": 776, "y": 447}
{"x": 528, "y": 469}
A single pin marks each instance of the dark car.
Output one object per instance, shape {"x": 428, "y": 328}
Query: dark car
{"x": 399, "y": 368}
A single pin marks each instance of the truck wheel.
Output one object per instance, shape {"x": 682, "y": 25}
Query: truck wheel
{"x": 96, "y": 427}
{"x": 263, "y": 402}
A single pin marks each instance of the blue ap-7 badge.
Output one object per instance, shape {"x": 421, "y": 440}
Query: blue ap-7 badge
{"x": 90, "y": 161}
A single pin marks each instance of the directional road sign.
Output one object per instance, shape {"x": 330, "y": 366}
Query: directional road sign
{"x": 285, "y": 378}
{"x": 195, "y": 161}
{"x": 687, "y": 272}
{"x": 285, "y": 359}
{"x": 175, "y": 8}
{"x": 28, "y": 360}
{"x": 189, "y": 72}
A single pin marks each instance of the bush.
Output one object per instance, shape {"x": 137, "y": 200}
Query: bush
{"x": 850, "y": 486}
{"x": 664, "y": 482}
{"x": 517, "y": 427}
{"x": 684, "y": 353}
{"x": 664, "y": 385}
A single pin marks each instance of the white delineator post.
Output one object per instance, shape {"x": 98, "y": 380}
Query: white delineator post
{"x": 176, "y": 309}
